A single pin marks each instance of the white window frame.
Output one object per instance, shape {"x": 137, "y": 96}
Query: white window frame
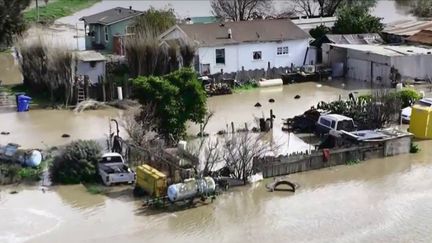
{"x": 106, "y": 33}
{"x": 282, "y": 50}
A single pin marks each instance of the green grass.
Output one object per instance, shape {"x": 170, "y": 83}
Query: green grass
{"x": 353, "y": 162}
{"x": 56, "y": 10}
{"x": 96, "y": 189}
{"x": 246, "y": 87}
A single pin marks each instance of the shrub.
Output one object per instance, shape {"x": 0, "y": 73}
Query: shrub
{"x": 408, "y": 97}
{"x": 77, "y": 163}
{"x": 414, "y": 148}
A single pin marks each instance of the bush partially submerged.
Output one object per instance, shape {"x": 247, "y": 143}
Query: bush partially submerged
{"x": 77, "y": 163}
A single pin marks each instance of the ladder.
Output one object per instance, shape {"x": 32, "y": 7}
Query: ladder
{"x": 81, "y": 94}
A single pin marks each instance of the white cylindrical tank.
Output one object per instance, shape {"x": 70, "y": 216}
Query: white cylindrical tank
{"x": 191, "y": 188}
{"x": 206, "y": 185}
{"x": 181, "y": 191}
{"x": 270, "y": 83}
{"x": 34, "y": 158}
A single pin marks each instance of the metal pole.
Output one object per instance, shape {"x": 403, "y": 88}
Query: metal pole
{"x": 37, "y": 9}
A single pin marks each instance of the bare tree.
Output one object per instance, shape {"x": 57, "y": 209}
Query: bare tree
{"x": 209, "y": 153}
{"x": 139, "y": 124}
{"x": 306, "y": 7}
{"x": 239, "y": 10}
{"x": 312, "y": 8}
{"x": 240, "y": 151}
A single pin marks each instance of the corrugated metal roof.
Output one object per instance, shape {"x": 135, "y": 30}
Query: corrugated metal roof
{"x": 243, "y": 31}
{"x": 371, "y": 38}
{"x": 407, "y": 27}
{"x": 388, "y": 50}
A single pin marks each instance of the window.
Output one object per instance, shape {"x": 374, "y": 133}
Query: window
{"x": 325, "y": 122}
{"x": 283, "y": 50}
{"x": 130, "y": 30}
{"x": 106, "y": 33}
{"x": 257, "y": 55}
{"x": 93, "y": 64}
{"x": 333, "y": 124}
{"x": 220, "y": 56}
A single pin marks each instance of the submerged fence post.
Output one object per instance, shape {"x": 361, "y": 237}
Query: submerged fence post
{"x": 232, "y": 127}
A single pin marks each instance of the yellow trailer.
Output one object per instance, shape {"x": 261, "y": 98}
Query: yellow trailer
{"x": 421, "y": 122}
{"x": 152, "y": 181}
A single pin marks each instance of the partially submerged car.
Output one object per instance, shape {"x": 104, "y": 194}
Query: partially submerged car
{"x": 406, "y": 112}
{"x": 334, "y": 122}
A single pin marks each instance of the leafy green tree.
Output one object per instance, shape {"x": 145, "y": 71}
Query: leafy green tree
{"x": 356, "y": 20}
{"x": 77, "y": 163}
{"x": 11, "y": 20}
{"x": 421, "y": 8}
{"x": 178, "y": 97}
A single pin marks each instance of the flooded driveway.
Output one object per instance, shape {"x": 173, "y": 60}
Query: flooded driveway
{"x": 385, "y": 200}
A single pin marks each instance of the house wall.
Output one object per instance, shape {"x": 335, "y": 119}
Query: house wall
{"x": 418, "y": 66}
{"x": 241, "y": 55}
{"x": 84, "y": 68}
{"x": 118, "y": 28}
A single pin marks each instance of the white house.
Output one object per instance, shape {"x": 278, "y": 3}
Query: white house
{"x": 231, "y": 46}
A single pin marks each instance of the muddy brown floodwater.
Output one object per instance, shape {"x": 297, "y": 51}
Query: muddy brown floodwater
{"x": 385, "y": 200}
{"x": 44, "y": 128}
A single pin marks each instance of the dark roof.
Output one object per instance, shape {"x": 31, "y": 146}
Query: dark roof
{"x": 422, "y": 37}
{"x": 244, "y": 31}
{"x": 111, "y": 16}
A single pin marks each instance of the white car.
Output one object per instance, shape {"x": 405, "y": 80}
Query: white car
{"x": 406, "y": 112}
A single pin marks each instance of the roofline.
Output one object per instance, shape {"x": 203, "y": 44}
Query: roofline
{"x": 114, "y": 22}
{"x": 161, "y": 36}
{"x": 250, "y": 42}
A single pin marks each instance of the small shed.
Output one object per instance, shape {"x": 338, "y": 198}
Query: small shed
{"x": 91, "y": 64}
{"x": 421, "y": 122}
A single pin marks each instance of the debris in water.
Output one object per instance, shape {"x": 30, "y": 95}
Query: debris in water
{"x": 319, "y": 85}
{"x": 13, "y": 192}
{"x": 5, "y": 133}
{"x": 258, "y": 105}
{"x": 297, "y": 97}
{"x": 65, "y": 136}
{"x": 89, "y": 105}
{"x": 271, "y": 100}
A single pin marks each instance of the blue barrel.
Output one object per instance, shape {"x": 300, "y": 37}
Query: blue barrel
{"x": 23, "y": 103}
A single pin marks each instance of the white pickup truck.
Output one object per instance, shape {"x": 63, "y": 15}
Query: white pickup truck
{"x": 113, "y": 169}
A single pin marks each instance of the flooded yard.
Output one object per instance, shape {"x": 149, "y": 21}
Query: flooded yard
{"x": 385, "y": 200}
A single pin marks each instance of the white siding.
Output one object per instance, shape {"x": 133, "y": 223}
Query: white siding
{"x": 241, "y": 55}
{"x": 84, "y": 68}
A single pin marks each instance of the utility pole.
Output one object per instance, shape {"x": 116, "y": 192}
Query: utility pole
{"x": 37, "y": 9}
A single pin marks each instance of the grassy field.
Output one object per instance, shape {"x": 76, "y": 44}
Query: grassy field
{"x": 55, "y": 10}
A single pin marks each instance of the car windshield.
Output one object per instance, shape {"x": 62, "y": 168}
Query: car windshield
{"x": 346, "y": 125}
{"x": 425, "y": 103}
{"x": 112, "y": 159}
